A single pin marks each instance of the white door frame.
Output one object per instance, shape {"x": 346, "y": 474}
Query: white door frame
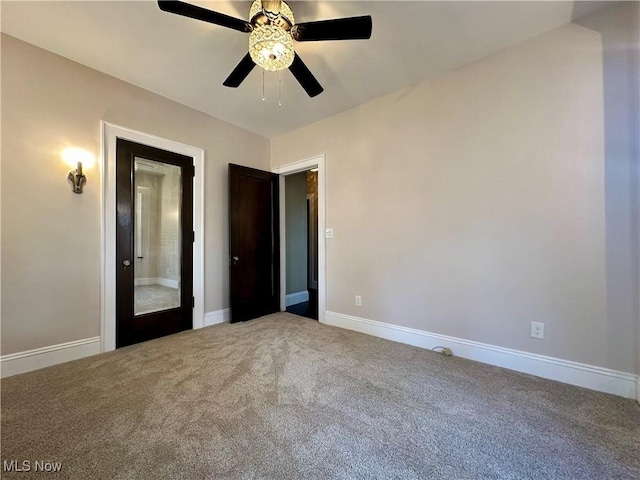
{"x": 109, "y": 135}
{"x": 289, "y": 169}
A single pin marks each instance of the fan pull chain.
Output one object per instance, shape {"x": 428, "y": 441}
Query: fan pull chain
{"x": 279, "y": 89}
{"x": 263, "y": 97}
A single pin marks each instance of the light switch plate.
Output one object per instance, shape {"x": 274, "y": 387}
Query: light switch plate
{"x": 328, "y": 233}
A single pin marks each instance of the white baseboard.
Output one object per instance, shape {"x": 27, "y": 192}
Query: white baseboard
{"x": 30, "y": 360}
{"x": 298, "y": 297}
{"x": 165, "y": 282}
{"x": 588, "y": 376}
{"x": 217, "y": 317}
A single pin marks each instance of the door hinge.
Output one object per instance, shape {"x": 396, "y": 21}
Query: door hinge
{"x": 193, "y": 238}
{"x": 193, "y": 305}
{"x": 193, "y": 170}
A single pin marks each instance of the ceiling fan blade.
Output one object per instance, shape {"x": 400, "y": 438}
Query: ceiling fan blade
{"x": 240, "y": 72}
{"x": 199, "y": 13}
{"x": 305, "y": 77}
{"x": 351, "y": 28}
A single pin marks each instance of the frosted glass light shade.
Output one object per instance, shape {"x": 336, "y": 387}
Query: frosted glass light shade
{"x": 271, "y": 47}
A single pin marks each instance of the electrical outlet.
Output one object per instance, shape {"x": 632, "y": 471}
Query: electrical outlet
{"x": 358, "y": 301}
{"x": 537, "y": 330}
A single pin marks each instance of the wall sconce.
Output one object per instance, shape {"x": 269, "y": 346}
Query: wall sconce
{"x": 76, "y": 157}
{"x": 78, "y": 179}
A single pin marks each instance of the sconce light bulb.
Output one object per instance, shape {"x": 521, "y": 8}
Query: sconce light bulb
{"x": 73, "y": 156}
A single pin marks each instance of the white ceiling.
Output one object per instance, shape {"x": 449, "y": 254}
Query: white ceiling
{"x": 187, "y": 60}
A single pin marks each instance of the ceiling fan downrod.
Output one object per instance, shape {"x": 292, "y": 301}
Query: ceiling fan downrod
{"x": 271, "y": 8}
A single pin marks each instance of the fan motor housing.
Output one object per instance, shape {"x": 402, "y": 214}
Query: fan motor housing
{"x": 271, "y": 13}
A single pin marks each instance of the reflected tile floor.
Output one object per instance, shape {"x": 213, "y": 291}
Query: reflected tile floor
{"x": 152, "y": 298}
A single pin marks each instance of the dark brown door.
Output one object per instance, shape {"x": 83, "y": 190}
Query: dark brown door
{"x": 154, "y": 243}
{"x": 254, "y": 243}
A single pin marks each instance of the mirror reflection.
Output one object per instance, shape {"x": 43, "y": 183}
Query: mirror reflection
{"x": 156, "y": 236}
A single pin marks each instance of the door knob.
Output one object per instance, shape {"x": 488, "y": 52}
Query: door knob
{"x": 126, "y": 263}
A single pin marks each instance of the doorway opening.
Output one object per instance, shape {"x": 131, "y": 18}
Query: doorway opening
{"x": 301, "y": 227}
{"x": 302, "y": 247}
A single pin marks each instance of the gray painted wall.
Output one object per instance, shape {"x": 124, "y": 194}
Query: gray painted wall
{"x": 296, "y": 228}
{"x": 620, "y": 29}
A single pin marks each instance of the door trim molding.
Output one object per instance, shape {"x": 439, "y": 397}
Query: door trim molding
{"x": 109, "y": 134}
{"x": 300, "y": 166}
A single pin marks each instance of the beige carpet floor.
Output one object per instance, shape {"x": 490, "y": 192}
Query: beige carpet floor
{"x": 284, "y": 397}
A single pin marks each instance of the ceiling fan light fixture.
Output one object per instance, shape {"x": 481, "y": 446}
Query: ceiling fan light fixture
{"x": 271, "y": 47}
{"x": 272, "y": 30}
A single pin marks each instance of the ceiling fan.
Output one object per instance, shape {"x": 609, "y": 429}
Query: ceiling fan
{"x": 272, "y": 30}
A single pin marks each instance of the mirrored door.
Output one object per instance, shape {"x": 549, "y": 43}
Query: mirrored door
{"x": 154, "y": 243}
